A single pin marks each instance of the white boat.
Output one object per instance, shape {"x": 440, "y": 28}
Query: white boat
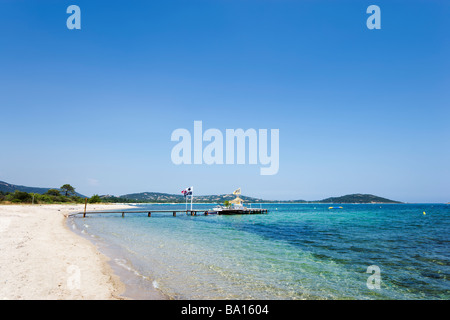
{"x": 216, "y": 210}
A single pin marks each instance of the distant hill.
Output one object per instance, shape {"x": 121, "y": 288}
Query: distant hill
{"x": 221, "y": 198}
{"x": 176, "y": 198}
{"x": 179, "y": 198}
{"x": 148, "y": 197}
{"x": 357, "y": 198}
{"x": 153, "y": 197}
{"x": 8, "y": 187}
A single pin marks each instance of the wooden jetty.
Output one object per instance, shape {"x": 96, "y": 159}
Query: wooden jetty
{"x": 174, "y": 212}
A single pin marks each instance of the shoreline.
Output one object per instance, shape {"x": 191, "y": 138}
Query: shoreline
{"x": 136, "y": 285}
{"x": 42, "y": 259}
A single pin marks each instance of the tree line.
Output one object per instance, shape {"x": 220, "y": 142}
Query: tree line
{"x": 66, "y": 194}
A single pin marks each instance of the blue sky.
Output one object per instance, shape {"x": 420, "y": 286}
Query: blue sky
{"x": 359, "y": 110}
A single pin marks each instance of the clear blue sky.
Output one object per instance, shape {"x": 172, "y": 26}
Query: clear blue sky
{"x": 359, "y": 110}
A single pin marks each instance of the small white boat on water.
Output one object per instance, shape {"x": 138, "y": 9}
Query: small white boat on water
{"x": 216, "y": 210}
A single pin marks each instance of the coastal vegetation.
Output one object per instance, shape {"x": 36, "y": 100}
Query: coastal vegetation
{"x": 66, "y": 194}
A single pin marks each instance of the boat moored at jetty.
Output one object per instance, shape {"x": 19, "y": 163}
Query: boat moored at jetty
{"x": 236, "y": 207}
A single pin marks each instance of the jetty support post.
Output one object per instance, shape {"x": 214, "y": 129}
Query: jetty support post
{"x": 85, "y": 204}
{"x": 149, "y": 214}
{"x": 174, "y": 213}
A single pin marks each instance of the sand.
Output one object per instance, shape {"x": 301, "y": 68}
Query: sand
{"x": 41, "y": 259}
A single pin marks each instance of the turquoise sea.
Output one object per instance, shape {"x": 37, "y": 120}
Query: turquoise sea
{"x": 296, "y": 251}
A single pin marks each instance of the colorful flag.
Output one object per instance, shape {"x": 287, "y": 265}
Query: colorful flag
{"x": 187, "y": 191}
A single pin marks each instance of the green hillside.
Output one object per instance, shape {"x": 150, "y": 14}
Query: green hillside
{"x": 8, "y": 187}
{"x": 175, "y": 198}
{"x": 152, "y": 197}
{"x": 148, "y": 197}
{"x": 358, "y": 198}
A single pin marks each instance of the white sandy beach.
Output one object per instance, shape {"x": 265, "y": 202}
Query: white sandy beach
{"x": 40, "y": 258}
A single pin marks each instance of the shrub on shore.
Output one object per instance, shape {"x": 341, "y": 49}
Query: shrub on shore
{"x": 95, "y": 199}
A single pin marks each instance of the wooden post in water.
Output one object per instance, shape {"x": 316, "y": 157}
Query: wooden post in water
{"x": 85, "y": 204}
{"x": 123, "y": 214}
{"x": 149, "y": 214}
{"x": 174, "y": 213}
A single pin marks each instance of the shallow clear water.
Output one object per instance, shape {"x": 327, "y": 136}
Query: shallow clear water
{"x": 296, "y": 251}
